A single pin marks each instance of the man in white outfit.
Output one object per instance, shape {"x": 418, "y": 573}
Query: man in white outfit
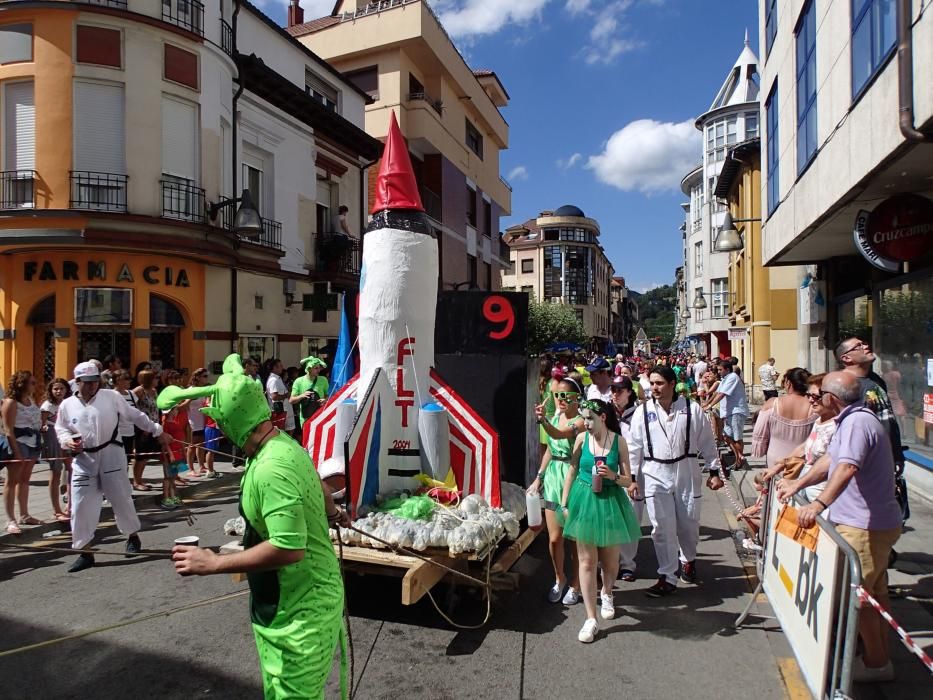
{"x": 88, "y": 425}
{"x": 667, "y": 435}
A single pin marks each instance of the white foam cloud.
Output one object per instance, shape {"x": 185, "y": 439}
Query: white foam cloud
{"x": 519, "y": 172}
{"x": 607, "y": 42}
{"x": 648, "y": 156}
{"x": 568, "y": 163}
{"x": 473, "y": 18}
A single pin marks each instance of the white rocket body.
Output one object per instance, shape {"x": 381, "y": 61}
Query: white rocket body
{"x": 398, "y": 304}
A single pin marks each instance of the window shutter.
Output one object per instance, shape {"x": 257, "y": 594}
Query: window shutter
{"x": 20, "y": 127}
{"x": 179, "y": 139}
{"x": 99, "y": 134}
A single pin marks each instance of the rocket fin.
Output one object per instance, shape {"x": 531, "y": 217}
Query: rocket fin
{"x": 319, "y": 434}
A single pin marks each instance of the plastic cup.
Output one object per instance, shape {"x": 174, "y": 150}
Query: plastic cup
{"x": 188, "y": 541}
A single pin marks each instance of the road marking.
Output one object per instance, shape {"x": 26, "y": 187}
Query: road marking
{"x": 794, "y": 686}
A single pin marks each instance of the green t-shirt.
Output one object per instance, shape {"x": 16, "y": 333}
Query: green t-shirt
{"x": 319, "y": 385}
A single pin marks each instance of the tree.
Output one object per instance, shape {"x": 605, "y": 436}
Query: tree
{"x": 656, "y": 309}
{"x": 552, "y": 323}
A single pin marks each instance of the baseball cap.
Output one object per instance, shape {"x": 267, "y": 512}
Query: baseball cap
{"x": 87, "y": 371}
{"x": 598, "y": 365}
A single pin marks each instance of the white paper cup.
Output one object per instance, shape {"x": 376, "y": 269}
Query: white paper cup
{"x": 188, "y": 541}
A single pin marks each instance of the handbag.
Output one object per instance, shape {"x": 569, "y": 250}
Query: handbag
{"x": 6, "y": 454}
{"x": 793, "y": 467}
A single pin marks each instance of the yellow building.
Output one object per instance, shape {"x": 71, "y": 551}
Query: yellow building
{"x": 762, "y": 308}
{"x": 400, "y": 54}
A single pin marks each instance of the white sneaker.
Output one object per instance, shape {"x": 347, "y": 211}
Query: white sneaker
{"x": 588, "y": 631}
{"x": 607, "y": 608}
{"x": 869, "y": 674}
{"x": 553, "y": 595}
{"x": 572, "y": 596}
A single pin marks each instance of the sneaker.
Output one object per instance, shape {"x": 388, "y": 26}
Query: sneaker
{"x": 688, "y": 572}
{"x": 627, "y": 575}
{"x": 869, "y": 674}
{"x": 168, "y": 504}
{"x": 554, "y": 595}
{"x": 661, "y": 588}
{"x": 571, "y": 597}
{"x": 607, "y": 608}
{"x": 588, "y": 631}
{"x": 84, "y": 561}
{"x": 133, "y": 545}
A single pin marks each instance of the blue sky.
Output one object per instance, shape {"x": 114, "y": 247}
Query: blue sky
{"x": 603, "y": 98}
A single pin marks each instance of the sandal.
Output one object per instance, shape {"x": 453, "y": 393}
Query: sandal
{"x": 142, "y": 487}
{"x": 63, "y": 517}
{"x": 13, "y": 529}
{"x": 29, "y": 520}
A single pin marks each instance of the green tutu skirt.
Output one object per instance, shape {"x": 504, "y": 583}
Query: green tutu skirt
{"x": 603, "y": 519}
{"x": 552, "y": 490}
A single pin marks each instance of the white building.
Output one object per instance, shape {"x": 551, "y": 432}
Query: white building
{"x": 732, "y": 117}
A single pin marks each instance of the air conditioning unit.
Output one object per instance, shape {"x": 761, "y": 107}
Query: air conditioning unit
{"x": 289, "y": 286}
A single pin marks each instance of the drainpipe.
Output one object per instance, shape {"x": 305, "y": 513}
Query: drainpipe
{"x": 234, "y": 282}
{"x": 905, "y": 74}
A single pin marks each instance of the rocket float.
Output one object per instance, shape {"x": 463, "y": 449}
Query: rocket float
{"x": 397, "y": 418}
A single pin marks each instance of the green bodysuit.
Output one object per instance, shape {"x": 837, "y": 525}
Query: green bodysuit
{"x": 297, "y": 611}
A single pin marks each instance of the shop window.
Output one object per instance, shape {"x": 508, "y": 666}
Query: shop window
{"x": 873, "y": 39}
{"x": 15, "y": 43}
{"x": 103, "y": 306}
{"x": 164, "y": 313}
{"x": 43, "y": 313}
{"x": 259, "y": 347}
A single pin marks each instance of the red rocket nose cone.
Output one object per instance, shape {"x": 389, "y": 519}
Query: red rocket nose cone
{"x": 396, "y": 187}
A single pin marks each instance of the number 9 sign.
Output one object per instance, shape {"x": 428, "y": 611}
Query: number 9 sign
{"x": 499, "y": 312}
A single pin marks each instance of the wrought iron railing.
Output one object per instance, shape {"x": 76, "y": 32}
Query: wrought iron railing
{"x": 17, "y": 189}
{"x": 338, "y": 253}
{"x": 505, "y": 182}
{"x": 226, "y": 37}
{"x": 271, "y": 236}
{"x": 436, "y": 105}
{"x": 100, "y": 191}
{"x": 119, "y": 4}
{"x": 182, "y": 200}
{"x": 432, "y": 204}
{"x": 187, "y": 14}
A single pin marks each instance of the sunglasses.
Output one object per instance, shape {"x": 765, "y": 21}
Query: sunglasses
{"x": 817, "y": 396}
{"x": 565, "y": 395}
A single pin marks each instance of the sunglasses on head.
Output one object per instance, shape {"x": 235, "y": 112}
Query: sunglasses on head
{"x": 565, "y": 395}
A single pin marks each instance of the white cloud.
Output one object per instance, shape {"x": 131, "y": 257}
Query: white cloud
{"x": 648, "y": 287}
{"x": 606, "y": 44}
{"x": 575, "y": 7}
{"x": 519, "y": 172}
{"x": 471, "y": 18}
{"x": 567, "y": 164}
{"x": 648, "y": 156}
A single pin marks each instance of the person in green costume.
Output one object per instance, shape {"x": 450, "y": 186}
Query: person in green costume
{"x": 297, "y": 599}
{"x": 309, "y": 390}
{"x": 560, "y": 430}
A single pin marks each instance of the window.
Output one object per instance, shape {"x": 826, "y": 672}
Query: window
{"x": 15, "y": 43}
{"x": 366, "y": 79}
{"x": 415, "y": 88}
{"x": 719, "y": 297}
{"x": 579, "y": 314}
{"x": 696, "y": 207}
{"x": 324, "y": 207}
{"x": 472, "y": 271}
{"x": 471, "y": 206}
{"x": 321, "y": 91}
{"x": 552, "y": 273}
{"x": 806, "y": 87}
{"x": 474, "y": 139}
{"x": 187, "y": 14}
{"x": 181, "y": 66}
{"x": 751, "y": 125}
{"x": 771, "y": 122}
{"x": 487, "y": 274}
{"x": 258, "y": 347}
{"x": 99, "y": 45}
{"x": 103, "y": 306}
{"x": 873, "y": 39}
{"x": 528, "y": 289}
{"x": 487, "y": 218}
{"x": 698, "y": 259}
{"x": 770, "y": 24}
{"x": 17, "y": 187}
{"x": 528, "y": 265}
{"x": 253, "y": 181}
{"x": 99, "y": 175}
{"x": 179, "y": 138}
{"x": 257, "y": 301}
{"x": 698, "y": 313}
{"x": 731, "y": 130}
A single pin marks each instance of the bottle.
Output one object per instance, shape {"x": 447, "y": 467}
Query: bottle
{"x": 597, "y": 479}
{"x": 533, "y": 508}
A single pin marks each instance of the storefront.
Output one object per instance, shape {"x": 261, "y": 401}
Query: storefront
{"x": 60, "y": 308}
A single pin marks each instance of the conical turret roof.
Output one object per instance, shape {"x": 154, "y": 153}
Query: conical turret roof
{"x": 742, "y": 83}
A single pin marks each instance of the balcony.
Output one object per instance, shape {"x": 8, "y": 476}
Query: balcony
{"x": 271, "y": 236}
{"x": 187, "y": 14}
{"x": 98, "y": 191}
{"x": 432, "y": 203}
{"x": 338, "y": 256}
{"x": 506, "y": 183}
{"x": 18, "y": 189}
{"x": 182, "y": 200}
{"x": 436, "y": 105}
{"x": 226, "y": 37}
{"x": 118, "y": 4}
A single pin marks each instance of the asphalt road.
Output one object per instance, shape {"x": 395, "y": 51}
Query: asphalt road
{"x": 680, "y": 646}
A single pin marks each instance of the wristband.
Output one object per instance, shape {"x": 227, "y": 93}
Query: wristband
{"x": 817, "y": 500}
{"x": 335, "y": 517}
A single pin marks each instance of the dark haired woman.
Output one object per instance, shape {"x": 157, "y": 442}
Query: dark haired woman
{"x": 786, "y": 421}
{"x": 598, "y": 514}
{"x": 624, "y": 398}
{"x": 561, "y": 430}
{"x": 22, "y": 421}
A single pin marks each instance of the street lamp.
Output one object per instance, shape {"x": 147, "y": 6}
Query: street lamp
{"x": 729, "y": 240}
{"x": 699, "y": 302}
{"x": 686, "y": 313}
{"x": 246, "y": 222}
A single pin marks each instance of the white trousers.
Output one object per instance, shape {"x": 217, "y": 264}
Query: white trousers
{"x": 675, "y": 522}
{"x": 630, "y": 549}
{"x": 94, "y": 477}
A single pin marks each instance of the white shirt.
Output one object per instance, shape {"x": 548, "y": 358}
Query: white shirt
{"x": 95, "y": 421}
{"x": 195, "y": 417}
{"x": 768, "y": 374}
{"x": 699, "y": 369}
{"x": 593, "y": 393}
{"x": 276, "y": 385}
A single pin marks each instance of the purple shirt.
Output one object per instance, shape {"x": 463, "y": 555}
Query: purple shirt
{"x": 868, "y": 500}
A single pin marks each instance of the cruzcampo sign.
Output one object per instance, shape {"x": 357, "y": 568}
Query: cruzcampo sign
{"x": 97, "y": 270}
{"x": 898, "y": 230}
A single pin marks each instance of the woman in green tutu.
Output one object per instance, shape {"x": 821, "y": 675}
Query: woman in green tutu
{"x": 561, "y": 430}
{"x": 596, "y": 510}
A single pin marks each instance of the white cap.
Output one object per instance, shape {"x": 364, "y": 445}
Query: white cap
{"x": 87, "y": 371}
{"x": 332, "y": 467}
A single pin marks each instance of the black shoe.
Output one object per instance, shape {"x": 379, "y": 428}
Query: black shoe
{"x": 627, "y": 575}
{"x": 133, "y": 545}
{"x": 84, "y": 561}
{"x": 661, "y": 588}
{"x": 688, "y": 572}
